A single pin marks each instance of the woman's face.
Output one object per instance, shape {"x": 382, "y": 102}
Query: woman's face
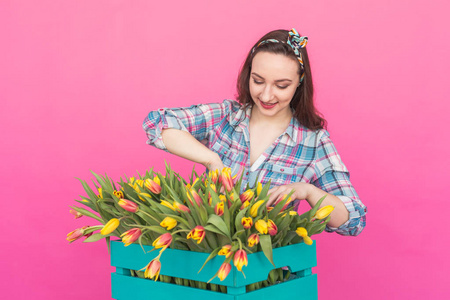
{"x": 273, "y": 81}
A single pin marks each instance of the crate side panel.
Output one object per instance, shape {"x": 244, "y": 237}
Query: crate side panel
{"x": 301, "y": 289}
{"x": 131, "y": 288}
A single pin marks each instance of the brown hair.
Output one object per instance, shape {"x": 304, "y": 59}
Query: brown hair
{"x": 302, "y": 101}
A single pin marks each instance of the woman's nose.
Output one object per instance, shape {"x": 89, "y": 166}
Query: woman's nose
{"x": 266, "y": 94}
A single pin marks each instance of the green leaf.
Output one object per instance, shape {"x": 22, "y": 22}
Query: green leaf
{"x": 219, "y": 223}
{"x": 240, "y": 215}
{"x": 214, "y": 229}
{"x": 95, "y": 237}
{"x": 313, "y": 211}
{"x": 266, "y": 245}
{"x": 264, "y": 191}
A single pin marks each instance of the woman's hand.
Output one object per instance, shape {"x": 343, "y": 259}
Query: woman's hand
{"x": 301, "y": 191}
{"x": 214, "y": 163}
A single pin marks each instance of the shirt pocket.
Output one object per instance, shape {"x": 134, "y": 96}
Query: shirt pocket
{"x": 285, "y": 175}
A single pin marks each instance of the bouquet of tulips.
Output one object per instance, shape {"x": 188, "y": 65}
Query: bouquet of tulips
{"x": 206, "y": 214}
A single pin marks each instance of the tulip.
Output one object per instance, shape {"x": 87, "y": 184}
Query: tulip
{"x": 213, "y": 187}
{"x": 153, "y": 186}
{"x": 75, "y": 213}
{"x": 225, "y": 179}
{"x": 222, "y": 198}
{"x": 307, "y": 240}
{"x": 118, "y": 194}
{"x": 140, "y": 182}
{"x": 100, "y": 193}
{"x": 247, "y": 222}
{"x": 245, "y": 204}
{"x": 240, "y": 259}
{"x": 131, "y": 236}
{"x": 253, "y": 240}
{"x": 214, "y": 175}
{"x": 167, "y": 204}
{"x": 223, "y": 271}
{"x": 76, "y": 234}
{"x": 181, "y": 207}
{"x": 110, "y": 226}
{"x": 226, "y": 251}
{"x": 281, "y": 198}
{"x": 271, "y": 227}
{"x": 128, "y": 205}
{"x": 323, "y": 212}
{"x": 301, "y": 231}
{"x": 198, "y": 233}
{"x": 218, "y": 210}
{"x": 254, "y": 208}
{"x": 196, "y": 197}
{"x": 258, "y": 188}
{"x": 168, "y": 223}
{"x": 261, "y": 226}
{"x": 247, "y": 196}
{"x": 157, "y": 180}
{"x": 153, "y": 269}
{"x": 163, "y": 241}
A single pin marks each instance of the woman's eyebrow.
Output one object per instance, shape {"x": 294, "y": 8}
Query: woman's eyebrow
{"x": 278, "y": 80}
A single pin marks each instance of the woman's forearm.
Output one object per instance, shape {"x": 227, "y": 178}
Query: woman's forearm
{"x": 340, "y": 214}
{"x": 183, "y": 144}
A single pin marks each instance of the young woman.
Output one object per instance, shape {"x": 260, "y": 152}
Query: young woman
{"x": 272, "y": 133}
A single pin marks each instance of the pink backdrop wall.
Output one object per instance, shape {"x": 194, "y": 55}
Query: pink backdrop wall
{"x": 77, "y": 79}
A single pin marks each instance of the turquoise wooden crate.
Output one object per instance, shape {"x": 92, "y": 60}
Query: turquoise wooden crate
{"x": 300, "y": 258}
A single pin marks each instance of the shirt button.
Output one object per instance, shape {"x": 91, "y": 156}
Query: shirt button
{"x": 282, "y": 170}
{"x": 246, "y": 173}
{"x": 226, "y": 152}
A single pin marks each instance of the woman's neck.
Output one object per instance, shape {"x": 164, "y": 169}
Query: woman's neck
{"x": 280, "y": 121}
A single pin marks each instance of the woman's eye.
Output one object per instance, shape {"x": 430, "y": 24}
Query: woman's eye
{"x": 282, "y": 87}
{"x": 257, "y": 82}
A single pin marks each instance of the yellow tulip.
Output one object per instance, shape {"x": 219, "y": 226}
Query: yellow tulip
{"x": 226, "y": 251}
{"x": 258, "y": 188}
{"x": 254, "y": 208}
{"x": 247, "y": 222}
{"x": 223, "y": 271}
{"x": 168, "y": 223}
{"x": 323, "y": 212}
{"x": 307, "y": 240}
{"x": 110, "y": 226}
{"x": 301, "y": 231}
{"x": 261, "y": 226}
{"x": 153, "y": 269}
{"x": 167, "y": 204}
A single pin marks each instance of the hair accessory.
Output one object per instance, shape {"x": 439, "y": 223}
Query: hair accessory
{"x": 296, "y": 42}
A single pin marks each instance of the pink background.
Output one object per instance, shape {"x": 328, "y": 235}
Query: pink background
{"x": 77, "y": 79}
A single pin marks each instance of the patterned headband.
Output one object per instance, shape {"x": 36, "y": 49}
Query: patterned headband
{"x": 296, "y": 42}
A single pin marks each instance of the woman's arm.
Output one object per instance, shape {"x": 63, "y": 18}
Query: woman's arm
{"x": 185, "y": 145}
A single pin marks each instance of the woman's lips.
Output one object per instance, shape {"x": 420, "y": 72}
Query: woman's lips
{"x": 267, "y": 106}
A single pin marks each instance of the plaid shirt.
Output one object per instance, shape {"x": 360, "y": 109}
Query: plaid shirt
{"x": 297, "y": 155}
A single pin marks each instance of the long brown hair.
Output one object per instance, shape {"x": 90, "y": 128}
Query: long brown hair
{"x": 302, "y": 102}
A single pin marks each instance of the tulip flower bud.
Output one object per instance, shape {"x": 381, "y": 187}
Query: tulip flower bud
{"x": 254, "y": 208}
{"x": 128, "y": 205}
{"x": 131, "y": 236}
{"x": 167, "y": 204}
{"x": 110, "y": 226}
{"x": 247, "y": 222}
{"x": 226, "y": 251}
{"x": 168, "y": 223}
{"x": 100, "y": 193}
{"x": 181, "y": 207}
{"x": 218, "y": 210}
{"x": 240, "y": 259}
{"x": 163, "y": 241}
{"x": 245, "y": 204}
{"x": 247, "y": 196}
{"x": 258, "y": 188}
{"x": 75, "y": 213}
{"x": 196, "y": 197}
{"x": 76, "y": 234}
{"x": 153, "y": 186}
{"x": 225, "y": 179}
{"x": 224, "y": 271}
{"x": 153, "y": 269}
{"x": 198, "y": 233}
{"x": 307, "y": 240}
{"x": 253, "y": 240}
{"x": 261, "y": 226}
{"x": 272, "y": 228}
{"x": 301, "y": 231}
{"x": 223, "y": 198}
{"x": 323, "y": 212}
{"x": 118, "y": 194}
